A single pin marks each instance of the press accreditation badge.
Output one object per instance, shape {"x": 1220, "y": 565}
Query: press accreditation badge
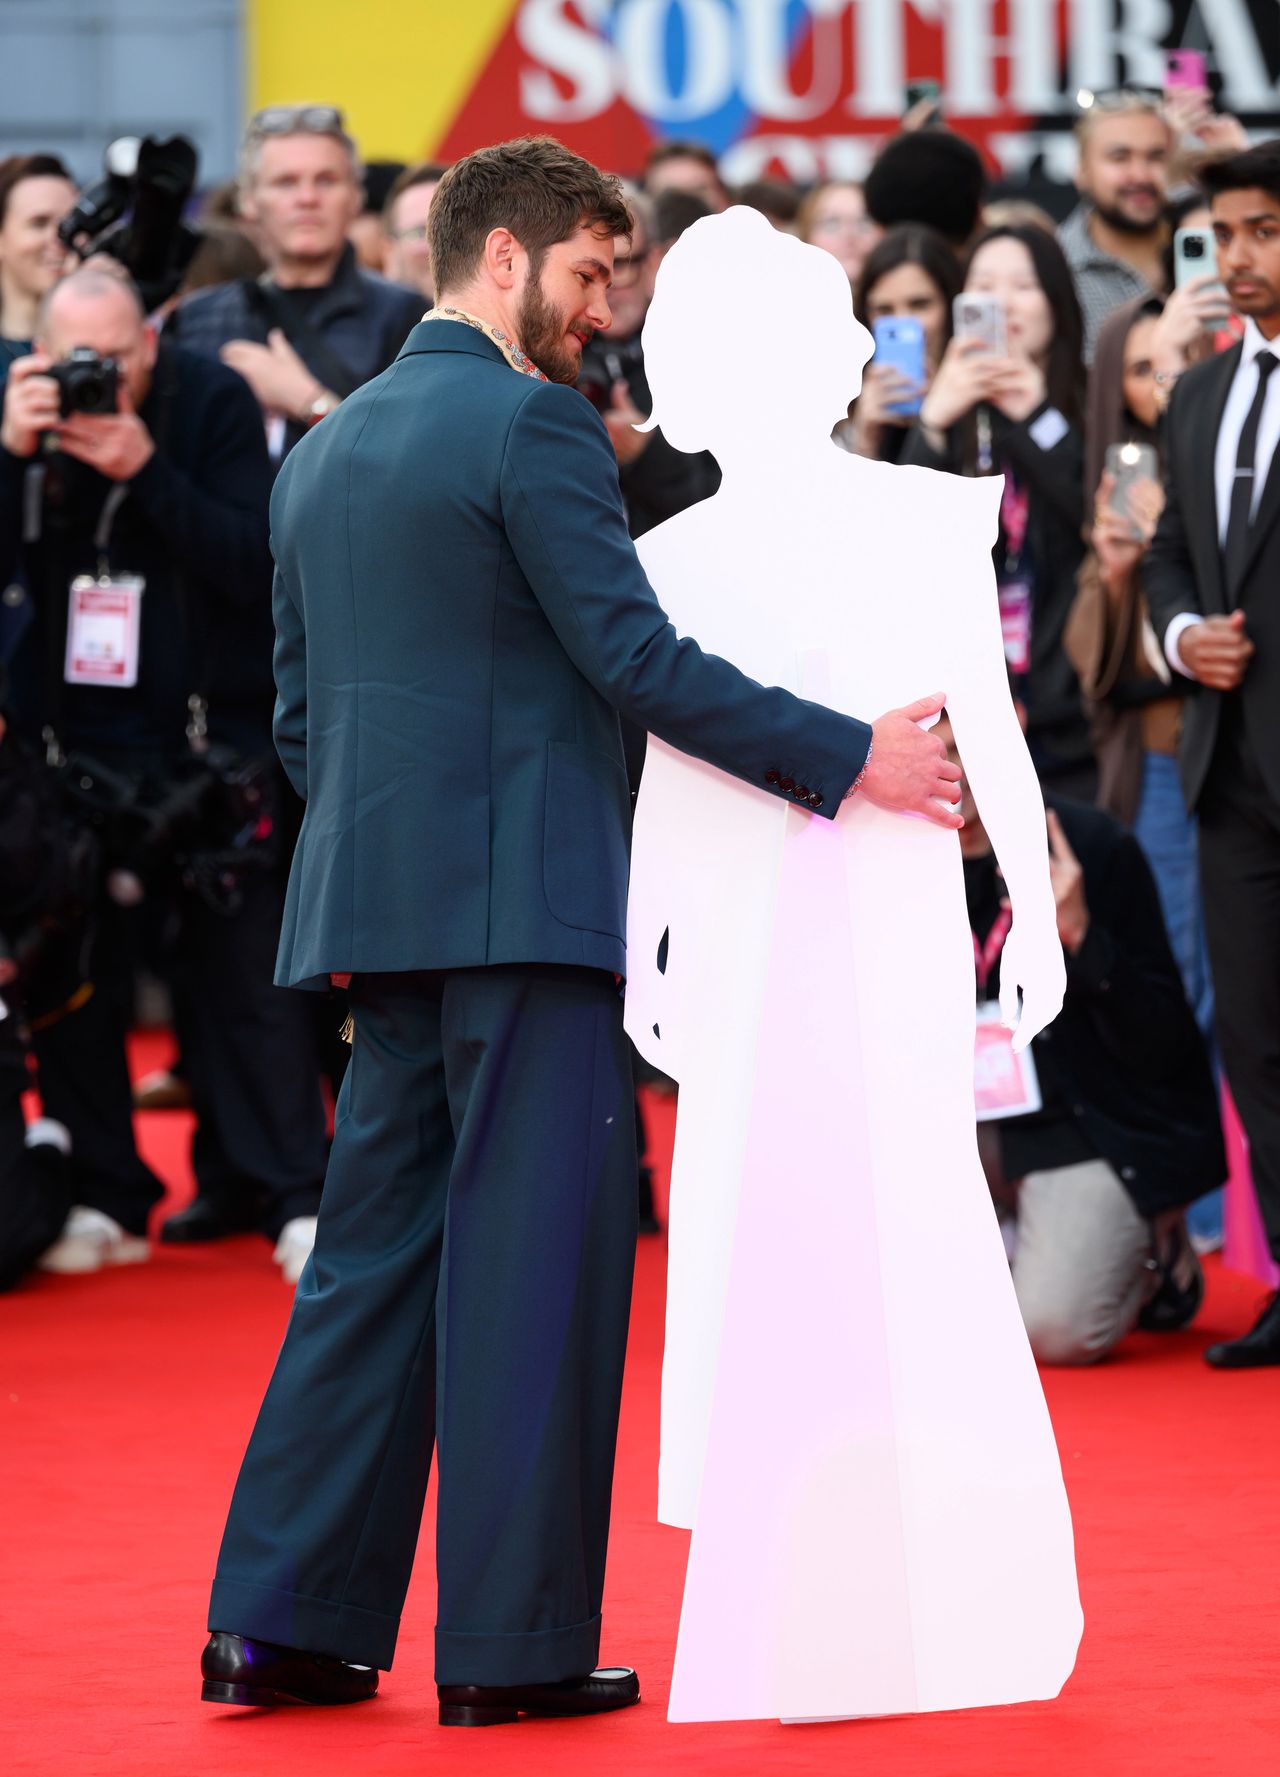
{"x": 1015, "y": 623}
{"x": 104, "y": 627}
{"x": 1005, "y": 1084}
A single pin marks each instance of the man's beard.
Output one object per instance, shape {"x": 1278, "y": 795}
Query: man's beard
{"x": 1123, "y": 223}
{"x": 541, "y": 335}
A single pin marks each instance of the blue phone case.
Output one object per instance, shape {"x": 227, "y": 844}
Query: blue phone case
{"x": 900, "y": 343}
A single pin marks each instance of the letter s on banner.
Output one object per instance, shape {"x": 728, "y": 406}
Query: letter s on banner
{"x": 550, "y": 35}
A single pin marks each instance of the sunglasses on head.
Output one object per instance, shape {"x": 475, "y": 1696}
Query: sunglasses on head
{"x": 1119, "y": 98}
{"x": 284, "y": 120}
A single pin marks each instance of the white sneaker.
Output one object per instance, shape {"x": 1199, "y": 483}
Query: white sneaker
{"x": 90, "y": 1240}
{"x": 293, "y": 1248}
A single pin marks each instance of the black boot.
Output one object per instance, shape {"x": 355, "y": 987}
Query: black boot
{"x": 1259, "y": 1347}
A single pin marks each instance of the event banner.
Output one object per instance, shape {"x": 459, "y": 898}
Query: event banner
{"x": 802, "y": 88}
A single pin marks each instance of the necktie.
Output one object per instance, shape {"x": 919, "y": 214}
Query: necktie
{"x": 1235, "y": 554}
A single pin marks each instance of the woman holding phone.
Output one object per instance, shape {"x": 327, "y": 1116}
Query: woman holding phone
{"x": 1008, "y": 400}
{"x": 1133, "y": 698}
{"x": 911, "y": 276}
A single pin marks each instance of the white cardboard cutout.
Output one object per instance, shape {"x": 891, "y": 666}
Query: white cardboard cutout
{"x": 852, "y": 1423}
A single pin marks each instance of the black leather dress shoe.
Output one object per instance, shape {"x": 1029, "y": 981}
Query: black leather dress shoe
{"x": 260, "y": 1674}
{"x": 200, "y": 1221}
{"x": 1259, "y": 1347}
{"x": 487, "y": 1706}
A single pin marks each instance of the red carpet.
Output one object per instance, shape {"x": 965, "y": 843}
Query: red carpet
{"x": 127, "y": 1398}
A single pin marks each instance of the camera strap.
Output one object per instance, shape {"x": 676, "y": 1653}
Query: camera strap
{"x": 106, "y": 520}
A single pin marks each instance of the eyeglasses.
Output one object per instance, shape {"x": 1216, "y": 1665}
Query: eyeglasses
{"x": 857, "y": 225}
{"x": 417, "y": 233}
{"x": 288, "y": 120}
{"x": 626, "y": 267}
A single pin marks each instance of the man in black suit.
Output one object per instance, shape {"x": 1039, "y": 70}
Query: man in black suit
{"x": 1211, "y": 579}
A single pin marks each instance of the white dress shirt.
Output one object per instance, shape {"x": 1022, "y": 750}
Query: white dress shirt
{"x": 1244, "y": 386}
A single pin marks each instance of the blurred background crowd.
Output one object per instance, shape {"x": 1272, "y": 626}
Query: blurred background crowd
{"x": 165, "y": 343}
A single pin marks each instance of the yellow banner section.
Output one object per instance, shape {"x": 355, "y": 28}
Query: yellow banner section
{"x": 400, "y": 69}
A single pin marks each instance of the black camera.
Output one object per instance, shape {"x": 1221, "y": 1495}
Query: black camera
{"x": 86, "y": 382}
{"x": 49, "y": 870}
{"x": 200, "y": 825}
{"x": 597, "y": 387}
{"x": 135, "y": 213}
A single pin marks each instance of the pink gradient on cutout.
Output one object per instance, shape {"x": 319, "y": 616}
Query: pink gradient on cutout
{"x": 1244, "y": 1239}
{"x": 852, "y": 1422}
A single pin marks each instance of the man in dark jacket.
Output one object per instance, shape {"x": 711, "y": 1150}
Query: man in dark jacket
{"x": 170, "y": 490}
{"x": 1127, "y": 1132}
{"x": 316, "y": 326}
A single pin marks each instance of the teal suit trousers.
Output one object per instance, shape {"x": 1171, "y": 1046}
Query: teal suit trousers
{"x": 470, "y": 1288}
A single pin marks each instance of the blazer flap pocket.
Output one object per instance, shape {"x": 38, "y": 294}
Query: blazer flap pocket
{"x": 586, "y": 836}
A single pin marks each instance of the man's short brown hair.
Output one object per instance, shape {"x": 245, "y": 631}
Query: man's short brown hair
{"x": 533, "y": 186}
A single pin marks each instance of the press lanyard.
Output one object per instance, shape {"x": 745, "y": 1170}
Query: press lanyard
{"x": 985, "y": 460}
{"x": 106, "y": 519}
{"x": 986, "y": 956}
{"x": 1014, "y": 508}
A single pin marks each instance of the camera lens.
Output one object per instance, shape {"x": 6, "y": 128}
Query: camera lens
{"x": 1194, "y": 248}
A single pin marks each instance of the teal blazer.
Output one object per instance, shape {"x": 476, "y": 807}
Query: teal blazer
{"x": 460, "y": 618}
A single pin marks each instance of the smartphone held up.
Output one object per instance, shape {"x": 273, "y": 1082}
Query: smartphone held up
{"x": 1128, "y": 464}
{"x": 1195, "y": 255}
{"x": 981, "y": 318}
{"x": 900, "y": 346}
{"x": 1185, "y": 70}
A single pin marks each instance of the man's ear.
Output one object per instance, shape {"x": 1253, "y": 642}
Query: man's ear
{"x": 247, "y": 204}
{"x": 150, "y": 345}
{"x": 503, "y": 257}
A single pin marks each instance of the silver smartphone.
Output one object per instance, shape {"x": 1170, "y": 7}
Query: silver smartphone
{"x": 981, "y": 317}
{"x": 1194, "y": 253}
{"x": 1129, "y": 463}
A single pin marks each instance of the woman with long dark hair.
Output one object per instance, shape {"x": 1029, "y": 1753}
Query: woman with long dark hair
{"x": 1133, "y": 698}
{"x": 1018, "y": 413}
{"x": 912, "y": 273}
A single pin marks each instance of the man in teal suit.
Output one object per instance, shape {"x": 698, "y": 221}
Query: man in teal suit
{"x": 461, "y": 616}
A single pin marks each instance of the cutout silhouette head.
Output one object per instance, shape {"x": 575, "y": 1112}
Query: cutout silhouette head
{"x": 750, "y": 337}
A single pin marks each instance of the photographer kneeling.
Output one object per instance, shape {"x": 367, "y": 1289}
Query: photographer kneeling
{"x": 134, "y": 485}
{"x": 1120, "y": 1130}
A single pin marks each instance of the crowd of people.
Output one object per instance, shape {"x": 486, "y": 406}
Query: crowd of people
{"x": 146, "y": 827}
